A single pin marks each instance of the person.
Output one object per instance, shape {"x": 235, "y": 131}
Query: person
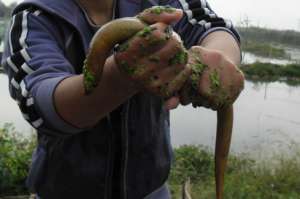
{"x": 115, "y": 142}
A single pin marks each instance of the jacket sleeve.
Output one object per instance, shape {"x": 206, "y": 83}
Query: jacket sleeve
{"x": 35, "y": 64}
{"x": 198, "y": 21}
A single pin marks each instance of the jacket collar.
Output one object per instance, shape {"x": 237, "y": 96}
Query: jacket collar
{"x": 68, "y": 10}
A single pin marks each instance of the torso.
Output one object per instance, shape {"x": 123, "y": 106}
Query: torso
{"x": 100, "y": 15}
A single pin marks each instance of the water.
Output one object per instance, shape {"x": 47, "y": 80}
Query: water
{"x": 249, "y": 58}
{"x": 294, "y": 54}
{"x": 266, "y": 120}
{"x": 266, "y": 117}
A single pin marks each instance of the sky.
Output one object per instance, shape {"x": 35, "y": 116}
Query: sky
{"x": 265, "y": 13}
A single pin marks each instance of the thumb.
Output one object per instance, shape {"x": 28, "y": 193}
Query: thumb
{"x": 163, "y": 14}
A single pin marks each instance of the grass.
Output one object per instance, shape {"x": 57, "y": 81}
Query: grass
{"x": 264, "y": 35}
{"x": 15, "y": 156}
{"x": 264, "y": 50}
{"x": 272, "y": 72}
{"x": 246, "y": 178}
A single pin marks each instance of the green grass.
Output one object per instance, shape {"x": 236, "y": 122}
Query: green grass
{"x": 264, "y": 35}
{"x": 264, "y": 50}
{"x": 272, "y": 72}
{"x": 15, "y": 156}
{"x": 275, "y": 178}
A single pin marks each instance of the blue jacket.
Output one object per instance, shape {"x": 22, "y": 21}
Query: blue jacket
{"x": 127, "y": 154}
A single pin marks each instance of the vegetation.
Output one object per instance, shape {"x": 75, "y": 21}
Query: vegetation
{"x": 264, "y": 50}
{"x": 272, "y": 72}
{"x": 246, "y": 178}
{"x": 268, "y": 42}
{"x": 263, "y": 35}
{"x": 5, "y": 12}
{"x": 277, "y": 178}
{"x": 15, "y": 156}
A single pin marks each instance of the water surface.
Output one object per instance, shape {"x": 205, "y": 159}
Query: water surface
{"x": 266, "y": 119}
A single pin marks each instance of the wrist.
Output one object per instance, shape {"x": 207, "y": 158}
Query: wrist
{"x": 225, "y": 43}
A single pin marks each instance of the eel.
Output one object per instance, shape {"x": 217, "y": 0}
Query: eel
{"x": 118, "y": 31}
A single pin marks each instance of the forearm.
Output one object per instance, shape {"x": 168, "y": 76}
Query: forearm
{"x": 225, "y": 43}
{"x": 86, "y": 110}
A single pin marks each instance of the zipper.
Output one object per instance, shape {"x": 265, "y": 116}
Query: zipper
{"x": 110, "y": 162}
{"x": 125, "y": 142}
{"x": 111, "y": 152}
{"x": 124, "y": 130}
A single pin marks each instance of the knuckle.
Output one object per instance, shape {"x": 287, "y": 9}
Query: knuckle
{"x": 217, "y": 55}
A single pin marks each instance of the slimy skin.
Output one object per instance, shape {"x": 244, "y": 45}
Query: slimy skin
{"x": 120, "y": 30}
{"x": 224, "y": 132}
{"x": 101, "y": 45}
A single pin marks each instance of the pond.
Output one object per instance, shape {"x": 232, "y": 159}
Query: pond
{"x": 249, "y": 58}
{"x": 294, "y": 54}
{"x": 266, "y": 119}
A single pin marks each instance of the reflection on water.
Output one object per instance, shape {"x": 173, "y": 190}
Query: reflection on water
{"x": 249, "y": 58}
{"x": 266, "y": 117}
{"x": 294, "y": 54}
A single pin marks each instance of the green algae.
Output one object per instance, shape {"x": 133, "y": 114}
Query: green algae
{"x": 155, "y": 41}
{"x": 162, "y": 9}
{"x": 139, "y": 69}
{"x": 123, "y": 47}
{"x": 89, "y": 79}
{"x": 146, "y": 31}
{"x": 180, "y": 57}
{"x": 126, "y": 68}
{"x": 220, "y": 94}
{"x": 164, "y": 91}
{"x": 197, "y": 69}
{"x": 214, "y": 78}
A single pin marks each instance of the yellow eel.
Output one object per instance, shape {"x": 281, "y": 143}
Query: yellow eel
{"x": 122, "y": 29}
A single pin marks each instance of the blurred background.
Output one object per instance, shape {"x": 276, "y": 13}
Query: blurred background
{"x": 267, "y": 118}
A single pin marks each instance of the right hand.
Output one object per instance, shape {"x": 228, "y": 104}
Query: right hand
{"x": 155, "y": 57}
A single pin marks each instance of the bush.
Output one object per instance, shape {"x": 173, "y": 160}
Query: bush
{"x": 264, "y": 50}
{"x": 289, "y": 73}
{"x": 15, "y": 156}
{"x": 291, "y": 70}
{"x": 262, "y": 70}
{"x": 246, "y": 178}
{"x": 274, "y": 178}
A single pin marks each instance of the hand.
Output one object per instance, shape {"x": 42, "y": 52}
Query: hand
{"x": 155, "y": 58}
{"x": 215, "y": 80}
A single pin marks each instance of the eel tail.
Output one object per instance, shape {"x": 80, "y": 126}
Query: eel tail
{"x": 224, "y": 132}
{"x": 186, "y": 189}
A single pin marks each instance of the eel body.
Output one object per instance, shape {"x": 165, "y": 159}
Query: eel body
{"x": 223, "y": 140}
{"x": 122, "y": 29}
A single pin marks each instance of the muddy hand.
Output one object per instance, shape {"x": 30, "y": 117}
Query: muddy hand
{"x": 154, "y": 57}
{"x": 167, "y": 71}
{"x": 215, "y": 81}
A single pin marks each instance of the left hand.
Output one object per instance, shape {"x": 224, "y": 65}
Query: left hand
{"x": 214, "y": 84}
